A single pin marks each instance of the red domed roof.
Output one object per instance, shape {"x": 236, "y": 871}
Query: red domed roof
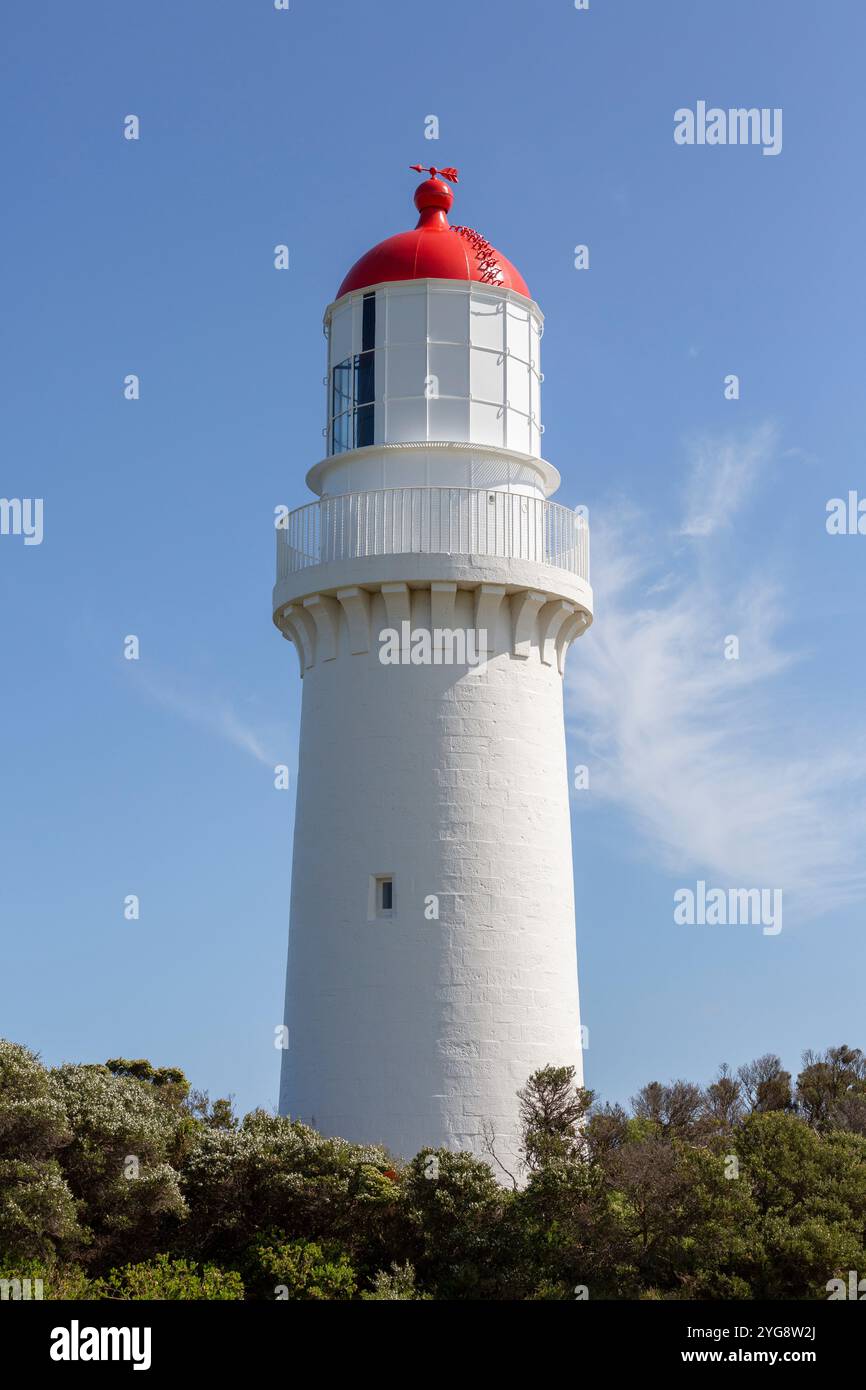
{"x": 434, "y": 250}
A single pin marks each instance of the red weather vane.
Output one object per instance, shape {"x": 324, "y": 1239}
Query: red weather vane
{"x": 449, "y": 174}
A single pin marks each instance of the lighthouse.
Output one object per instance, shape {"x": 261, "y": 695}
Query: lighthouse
{"x": 431, "y": 591}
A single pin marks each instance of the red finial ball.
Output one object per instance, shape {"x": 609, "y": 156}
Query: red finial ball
{"x": 433, "y": 193}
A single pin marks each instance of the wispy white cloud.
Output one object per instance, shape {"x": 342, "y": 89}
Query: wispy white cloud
{"x": 722, "y": 476}
{"x": 209, "y": 712}
{"x": 714, "y": 760}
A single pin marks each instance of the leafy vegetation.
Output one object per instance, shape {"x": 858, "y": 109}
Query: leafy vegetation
{"x": 120, "y": 1182}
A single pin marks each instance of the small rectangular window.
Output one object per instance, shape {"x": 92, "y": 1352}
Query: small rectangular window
{"x": 365, "y": 395}
{"x": 380, "y": 903}
{"x": 341, "y": 432}
{"x": 342, "y": 393}
{"x": 368, "y": 323}
{"x": 365, "y": 381}
{"x": 364, "y": 426}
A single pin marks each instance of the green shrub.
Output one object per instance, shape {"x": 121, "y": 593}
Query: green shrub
{"x": 165, "y": 1279}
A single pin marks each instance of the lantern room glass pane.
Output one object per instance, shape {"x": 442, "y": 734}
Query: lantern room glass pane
{"x": 518, "y": 385}
{"x": 342, "y": 387}
{"x": 450, "y": 366}
{"x": 486, "y": 320}
{"x": 448, "y": 419}
{"x": 364, "y": 425}
{"x": 365, "y": 378}
{"x": 407, "y": 371}
{"x": 368, "y": 323}
{"x": 406, "y": 420}
{"x": 341, "y": 434}
{"x": 518, "y": 331}
{"x": 407, "y": 317}
{"x": 448, "y": 316}
{"x": 341, "y": 334}
{"x": 353, "y": 395}
{"x": 535, "y": 397}
{"x": 487, "y": 376}
{"x": 517, "y": 432}
{"x": 486, "y": 423}
{"x": 535, "y": 344}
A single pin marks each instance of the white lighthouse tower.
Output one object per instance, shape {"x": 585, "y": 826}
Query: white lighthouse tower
{"x": 432, "y": 963}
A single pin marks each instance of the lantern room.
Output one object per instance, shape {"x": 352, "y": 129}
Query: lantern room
{"x": 434, "y": 339}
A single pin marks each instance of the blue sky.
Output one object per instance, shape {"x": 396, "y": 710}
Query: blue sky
{"x": 155, "y": 257}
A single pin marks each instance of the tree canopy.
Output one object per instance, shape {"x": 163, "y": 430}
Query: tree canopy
{"x": 121, "y": 1181}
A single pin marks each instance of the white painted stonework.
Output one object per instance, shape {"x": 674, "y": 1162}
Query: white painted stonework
{"x": 406, "y": 1027}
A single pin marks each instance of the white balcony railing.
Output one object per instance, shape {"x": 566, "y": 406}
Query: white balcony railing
{"x": 433, "y": 521}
